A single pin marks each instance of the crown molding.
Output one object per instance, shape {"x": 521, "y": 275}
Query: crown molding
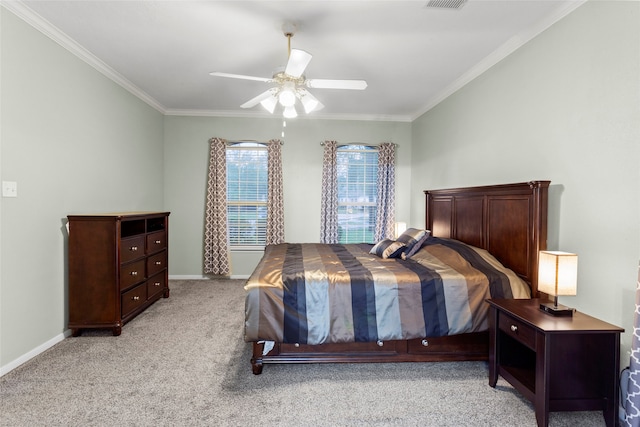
{"x": 25, "y": 13}
{"x": 510, "y": 46}
{"x": 266, "y": 115}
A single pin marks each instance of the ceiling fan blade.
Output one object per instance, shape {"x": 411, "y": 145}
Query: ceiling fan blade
{"x": 336, "y": 84}
{"x": 298, "y": 61}
{"x": 240, "y": 76}
{"x": 258, "y": 99}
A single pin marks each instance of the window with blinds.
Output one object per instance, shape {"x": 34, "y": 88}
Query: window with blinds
{"x": 357, "y": 191}
{"x": 247, "y": 194}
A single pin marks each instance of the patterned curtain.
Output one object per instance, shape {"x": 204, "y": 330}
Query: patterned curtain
{"x": 329, "y": 202}
{"x": 275, "y": 200}
{"x": 216, "y": 238}
{"x": 386, "y": 200}
{"x": 632, "y": 403}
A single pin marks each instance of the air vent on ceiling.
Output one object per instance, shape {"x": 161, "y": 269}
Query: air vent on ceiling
{"x": 445, "y": 4}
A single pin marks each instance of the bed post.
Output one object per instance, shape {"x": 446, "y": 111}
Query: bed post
{"x": 540, "y": 191}
{"x": 256, "y": 359}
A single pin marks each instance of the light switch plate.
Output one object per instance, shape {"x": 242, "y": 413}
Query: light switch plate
{"x": 9, "y": 189}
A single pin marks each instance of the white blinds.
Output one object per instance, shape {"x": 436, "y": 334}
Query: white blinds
{"x": 357, "y": 190}
{"x": 247, "y": 194}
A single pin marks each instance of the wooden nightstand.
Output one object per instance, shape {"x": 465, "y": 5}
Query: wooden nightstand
{"x": 558, "y": 363}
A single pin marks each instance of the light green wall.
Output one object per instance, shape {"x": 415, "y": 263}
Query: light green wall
{"x": 75, "y": 142}
{"x": 564, "y": 107}
{"x": 187, "y": 152}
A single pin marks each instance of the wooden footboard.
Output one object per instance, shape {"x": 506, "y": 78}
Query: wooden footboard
{"x": 474, "y": 346}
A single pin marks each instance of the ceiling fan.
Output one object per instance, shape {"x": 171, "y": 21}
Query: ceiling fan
{"x": 290, "y": 84}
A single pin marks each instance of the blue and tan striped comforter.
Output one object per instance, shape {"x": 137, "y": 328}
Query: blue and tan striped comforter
{"x": 317, "y": 293}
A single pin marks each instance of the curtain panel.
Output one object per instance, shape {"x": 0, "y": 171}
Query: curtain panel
{"x": 386, "y": 197}
{"x": 329, "y": 201}
{"x": 632, "y": 401}
{"x": 275, "y": 198}
{"x": 216, "y": 238}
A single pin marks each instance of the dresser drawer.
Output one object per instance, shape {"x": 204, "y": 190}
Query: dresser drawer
{"x": 131, "y": 248}
{"x": 156, "y": 242}
{"x": 130, "y": 274}
{"x": 133, "y": 299}
{"x": 155, "y": 285}
{"x": 156, "y": 263}
{"x": 518, "y": 330}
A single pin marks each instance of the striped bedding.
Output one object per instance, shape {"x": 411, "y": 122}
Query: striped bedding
{"x": 318, "y": 293}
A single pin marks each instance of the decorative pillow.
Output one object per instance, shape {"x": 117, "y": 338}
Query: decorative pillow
{"x": 413, "y": 238}
{"x": 388, "y": 248}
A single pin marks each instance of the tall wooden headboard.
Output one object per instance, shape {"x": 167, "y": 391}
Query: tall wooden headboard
{"x": 509, "y": 221}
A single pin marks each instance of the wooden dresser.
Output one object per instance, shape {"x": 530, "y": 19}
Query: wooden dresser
{"x": 117, "y": 267}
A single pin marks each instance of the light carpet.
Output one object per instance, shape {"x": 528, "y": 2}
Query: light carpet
{"x": 183, "y": 362}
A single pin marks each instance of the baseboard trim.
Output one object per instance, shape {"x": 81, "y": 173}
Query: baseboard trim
{"x": 5, "y": 369}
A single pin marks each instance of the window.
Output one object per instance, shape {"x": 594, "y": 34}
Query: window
{"x": 247, "y": 181}
{"x": 357, "y": 191}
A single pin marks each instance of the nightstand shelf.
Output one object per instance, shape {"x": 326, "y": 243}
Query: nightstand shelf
{"x": 558, "y": 363}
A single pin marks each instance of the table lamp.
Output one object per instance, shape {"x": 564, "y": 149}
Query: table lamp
{"x": 399, "y": 228}
{"x": 557, "y": 275}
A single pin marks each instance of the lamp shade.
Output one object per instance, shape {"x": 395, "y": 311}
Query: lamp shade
{"x": 290, "y": 112}
{"x": 558, "y": 273}
{"x": 400, "y": 227}
{"x": 269, "y": 104}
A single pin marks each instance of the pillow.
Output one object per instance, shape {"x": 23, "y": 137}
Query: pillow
{"x": 387, "y": 248}
{"x": 413, "y": 238}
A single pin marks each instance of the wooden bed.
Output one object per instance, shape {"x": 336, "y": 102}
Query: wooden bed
{"x": 510, "y": 221}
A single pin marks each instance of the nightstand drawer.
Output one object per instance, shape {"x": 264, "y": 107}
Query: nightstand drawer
{"x": 518, "y": 330}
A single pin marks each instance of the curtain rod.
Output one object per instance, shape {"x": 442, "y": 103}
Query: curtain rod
{"x": 360, "y": 143}
{"x": 240, "y": 141}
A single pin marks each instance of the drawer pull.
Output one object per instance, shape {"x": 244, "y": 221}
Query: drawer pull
{"x": 134, "y": 273}
{"x": 514, "y": 328}
{"x": 425, "y": 343}
{"x": 133, "y": 248}
{"x": 156, "y": 284}
{"x": 158, "y": 262}
{"x": 135, "y": 298}
{"x": 157, "y": 242}
{"x": 380, "y": 343}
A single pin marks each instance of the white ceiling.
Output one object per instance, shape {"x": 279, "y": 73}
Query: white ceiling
{"x": 411, "y": 55}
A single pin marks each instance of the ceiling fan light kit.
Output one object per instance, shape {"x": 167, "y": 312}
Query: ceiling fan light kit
{"x": 309, "y": 102}
{"x": 290, "y": 112}
{"x": 287, "y": 94}
{"x": 290, "y": 84}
